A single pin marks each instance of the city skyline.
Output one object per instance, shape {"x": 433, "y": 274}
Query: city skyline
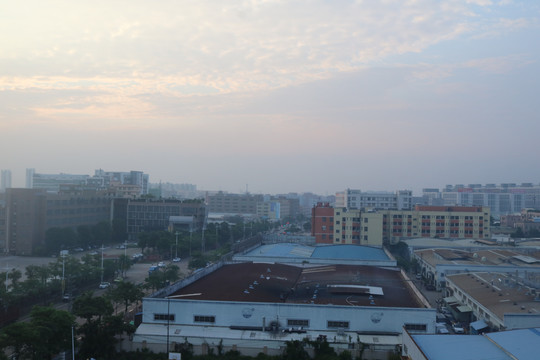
{"x": 155, "y": 184}
{"x": 304, "y": 97}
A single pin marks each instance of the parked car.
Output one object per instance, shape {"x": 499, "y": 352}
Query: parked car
{"x": 161, "y": 264}
{"x": 458, "y": 329}
{"x": 104, "y": 285}
{"x": 442, "y": 330}
{"x": 176, "y": 259}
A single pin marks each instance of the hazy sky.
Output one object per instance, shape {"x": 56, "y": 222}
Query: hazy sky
{"x": 283, "y": 96}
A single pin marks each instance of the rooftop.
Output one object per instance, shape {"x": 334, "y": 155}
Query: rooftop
{"x": 491, "y": 257}
{"x": 335, "y": 252}
{"x": 521, "y": 344}
{"x": 463, "y": 347}
{"x": 499, "y": 293}
{"x": 330, "y": 284}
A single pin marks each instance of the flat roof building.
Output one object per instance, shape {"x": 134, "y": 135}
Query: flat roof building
{"x": 257, "y": 306}
{"x": 435, "y": 265}
{"x": 502, "y": 301}
{"x": 521, "y": 344}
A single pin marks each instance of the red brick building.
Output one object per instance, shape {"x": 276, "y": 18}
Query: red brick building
{"x": 322, "y": 223}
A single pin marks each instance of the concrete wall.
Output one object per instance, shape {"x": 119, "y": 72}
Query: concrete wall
{"x": 368, "y": 319}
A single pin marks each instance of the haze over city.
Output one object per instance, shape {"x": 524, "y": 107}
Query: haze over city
{"x": 283, "y": 97}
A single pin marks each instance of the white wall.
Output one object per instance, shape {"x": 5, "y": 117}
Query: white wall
{"x": 369, "y": 319}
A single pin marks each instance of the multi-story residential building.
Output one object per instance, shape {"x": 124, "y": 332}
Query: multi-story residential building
{"x": 357, "y": 199}
{"x": 322, "y": 223}
{"x": 138, "y": 215}
{"x": 502, "y": 199}
{"x": 270, "y": 210}
{"x": 354, "y": 226}
{"x": 375, "y": 227}
{"x": 5, "y": 180}
{"x": 238, "y": 204}
{"x": 437, "y": 222}
{"x": 289, "y": 207}
{"x": 528, "y": 221}
{"x": 431, "y": 196}
{"x": 28, "y": 213}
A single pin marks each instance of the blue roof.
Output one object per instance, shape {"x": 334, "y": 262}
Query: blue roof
{"x": 463, "y": 347}
{"x": 283, "y": 250}
{"x": 349, "y": 252}
{"x": 524, "y": 344}
{"x": 478, "y": 325}
{"x": 340, "y": 252}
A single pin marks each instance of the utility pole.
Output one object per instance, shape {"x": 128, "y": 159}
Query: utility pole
{"x": 102, "y": 248}
{"x": 176, "y": 233}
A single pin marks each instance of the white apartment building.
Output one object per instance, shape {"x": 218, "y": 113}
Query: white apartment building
{"x": 502, "y": 199}
{"x": 358, "y": 199}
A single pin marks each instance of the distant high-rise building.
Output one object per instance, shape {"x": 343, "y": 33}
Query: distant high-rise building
{"x": 508, "y": 198}
{"x": 239, "y": 204}
{"x": 5, "y": 182}
{"x": 51, "y": 182}
{"x": 26, "y": 215}
{"x": 357, "y": 199}
{"x": 102, "y": 180}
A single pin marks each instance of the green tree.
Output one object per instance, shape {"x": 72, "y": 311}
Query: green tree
{"x": 155, "y": 280}
{"x": 294, "y": 350}
{"x": 47, "y": 333}
{"x": 126, "y": 293}
{"x": 124, "y": 262}
{"x": 89, "y": 307}
{"x": 54, "y": 330}
{"x": 100, "y": 329}
{"x": 20, "y": 337}
{"x": 518, "y": 233}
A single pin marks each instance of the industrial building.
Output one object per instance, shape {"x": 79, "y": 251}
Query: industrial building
{"x": 502, "y": 301}
{"x": 137, "y": 215}
{"x": 26, "y": 214}
{"x": 522, "y": 344}
{"x": 257, "y": 306}
{"x": 435, "y": 265}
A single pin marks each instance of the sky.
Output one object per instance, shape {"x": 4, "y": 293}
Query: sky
{"x": 273, "y": 96}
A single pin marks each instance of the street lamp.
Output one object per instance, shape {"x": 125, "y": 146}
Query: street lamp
{"x": 190, "y": 237}
{"x": 176, "y": 233}
{"x": 202, "y": 241}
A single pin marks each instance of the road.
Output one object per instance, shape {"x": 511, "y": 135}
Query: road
{"x": 136, "y": 274}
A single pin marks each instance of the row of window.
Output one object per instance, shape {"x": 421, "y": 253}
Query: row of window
{"x": 331, "y": 324}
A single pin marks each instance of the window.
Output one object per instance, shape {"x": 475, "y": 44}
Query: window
{"x": 416, "y": 327}
{"x": 297, "y": 322}
{"x": 338, "y": 324}
{"x": 164, "y": 317}
{"x": 324, "y": 227}
{"x": 204, "y": 318}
